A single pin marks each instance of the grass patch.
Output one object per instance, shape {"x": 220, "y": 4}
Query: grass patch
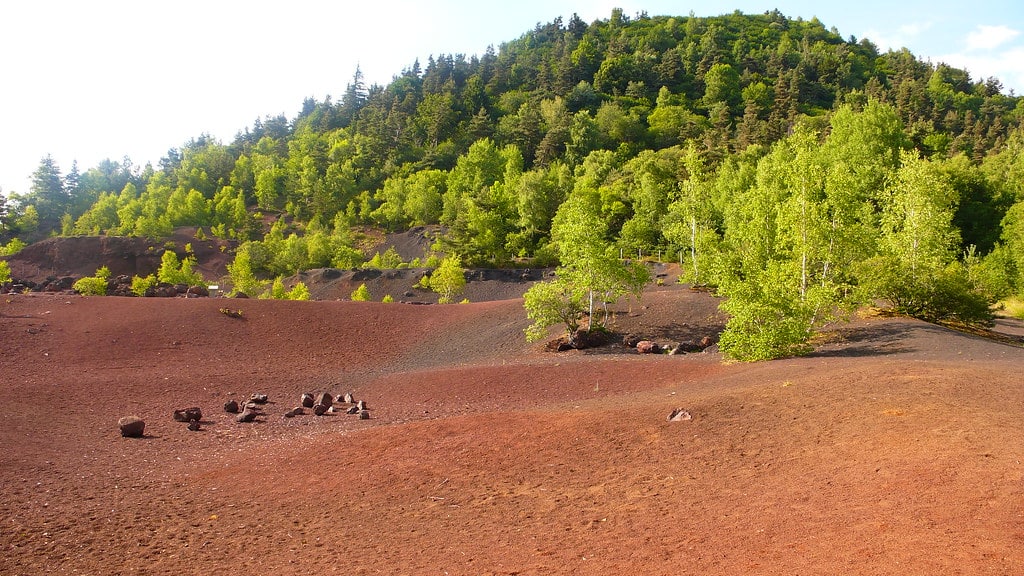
{"x": 1012, "y": 307}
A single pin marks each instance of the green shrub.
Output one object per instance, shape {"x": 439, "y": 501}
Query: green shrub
{"x": 5, "y": 272}
{"x": 93, "y": 285}
{"x": 387, "y": 299}
{"x": 298, "y": 292}
{"x": 12, "y": 247}
{"x": 361, "y": 294}
{"x": 140, "y": 285}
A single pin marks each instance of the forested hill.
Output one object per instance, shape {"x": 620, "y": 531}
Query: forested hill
{"x": 717, "y": 140}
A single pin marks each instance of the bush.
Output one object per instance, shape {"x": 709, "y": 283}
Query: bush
{"x": 5, "y": 272}
{"x": 361, "y": 294}
{"x": 12, "y": 247}
{"x": 93, "y": 285}
{"x": 141, "y": 285}
{"x": 448, "y": 280}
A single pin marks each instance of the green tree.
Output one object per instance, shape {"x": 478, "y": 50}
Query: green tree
{"x": 5, "y": 272}
{"x": 554, "y": 302}
{"x": 175, "y": 271}
{"x": 361, "y": 294}
{"x": 916, "y": 270}
{"x": 243, "y": 280}
{"x": 448, "y": 279}
{"x": 47, "y": 192}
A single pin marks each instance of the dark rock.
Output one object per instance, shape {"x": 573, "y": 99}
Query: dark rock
{"x": 326, "y": 399}
{"x": 193, "y": 425}
{"x": 319, "y": 410}
{"x": 294, "y": 412}
{"x": 246, "y": 416}
{"x": 197, "y": 292}
{"x": 361, "y": 405}
{"x": 258, "y": 398}
{"x": 231, "y": 407}
{"x": 131, "y": 426}
{"x": 193, "y": 414}
{"x": 631, "y": 340}
{"x": 307, "y": 400}
{"x": 689, "y": 346}
{"x": 353, "y": 410}
{"x": 349, "y": 399}
{"x": 364, "y": 415}
{"x": 706, "y": 341}
{"x": 583, "y": 339}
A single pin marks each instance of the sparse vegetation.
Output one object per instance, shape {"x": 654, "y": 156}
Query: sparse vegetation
{"x": 93, "y": 285}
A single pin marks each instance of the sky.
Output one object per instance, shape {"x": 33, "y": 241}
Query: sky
{"x": 90, "y": 80}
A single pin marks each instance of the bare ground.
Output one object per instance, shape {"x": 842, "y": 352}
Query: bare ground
{"x": 895, "y": 449}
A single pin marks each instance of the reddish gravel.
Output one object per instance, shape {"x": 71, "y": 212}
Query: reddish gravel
{"x": 896, "y": 449}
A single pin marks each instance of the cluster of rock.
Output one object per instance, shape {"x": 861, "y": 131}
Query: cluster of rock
{"x": 644, "y": 346}
{"x": 191, "y": 416}
{"x": 253, "y": 407}
{"x": 319, "y": 404}
{"x": 324, "y": 403}
{"x": 50, "y": 284}
{"x": 247, "y": 411}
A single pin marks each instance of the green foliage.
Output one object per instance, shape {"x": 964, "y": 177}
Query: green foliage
{"x": 93, "y": 285}
{"x": 448, "y": 279}
{"x": 361, "y": 294}
{"x": 762, "y": 148}
{"x": 141, "y": 284}
{"x": 5, "y": 272}
{"x": 243, "y": 280}
{"x": 13, "y": 247}
{"x": 174, "y": 271}
{"x": 387, "y": 299}
{"x": 278, "y": 292}
{"x": 554, "y": 302}
{"x": 298, "y": 292}
{"x": 390, "y": 260}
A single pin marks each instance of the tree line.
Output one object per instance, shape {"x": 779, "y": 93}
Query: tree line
{"x": 796, "y": 171}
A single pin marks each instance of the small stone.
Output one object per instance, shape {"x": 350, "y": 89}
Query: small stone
{"x": 319, "y": 409}
{"x": 349, "y": 399}
{"x": 131, "y": 426}
{"x": 193, "y": 425}
{"x": 231, "y": 407}
{"x": 353, "y": 410}
{"x": 193, "y": 414}
{"x": 258, "y": 398}
{"x": 364, "y": 415}
{"x": 361, "y": 405}
{"x": 679, "y": 415}
{"x": 246, "y": 416}
{"x": 307, "y": 400}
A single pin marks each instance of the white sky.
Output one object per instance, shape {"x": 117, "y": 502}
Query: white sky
{"x": 89, "y": 80}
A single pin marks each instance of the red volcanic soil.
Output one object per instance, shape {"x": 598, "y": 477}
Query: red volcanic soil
{"x": 896, "y": 449}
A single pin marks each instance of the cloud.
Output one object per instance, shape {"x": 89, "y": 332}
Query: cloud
{"x": 1006, "y": 65}
{"x": 903, "y": 36}
{"x": 990, "y": 37}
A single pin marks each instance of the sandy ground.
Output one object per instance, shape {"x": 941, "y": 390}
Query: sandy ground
{"x": 895, "y": 449}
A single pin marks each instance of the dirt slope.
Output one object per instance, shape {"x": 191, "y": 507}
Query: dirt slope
{"x": 896, "y": 449}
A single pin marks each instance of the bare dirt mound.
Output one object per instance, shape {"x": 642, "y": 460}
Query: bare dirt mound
{"x": 896, "y": 448}
{"x": 80, "y": 256}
